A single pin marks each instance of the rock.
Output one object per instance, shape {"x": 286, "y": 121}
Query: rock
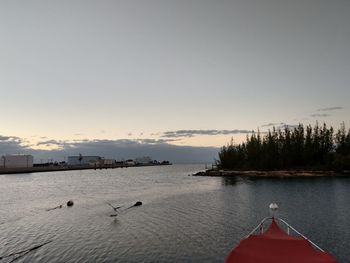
{"x": 70, "y": 203}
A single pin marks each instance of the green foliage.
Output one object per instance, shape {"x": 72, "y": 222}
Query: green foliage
{"x": 287, "y": 148}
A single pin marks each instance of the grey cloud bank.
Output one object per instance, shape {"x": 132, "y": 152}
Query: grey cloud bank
{"x": 118, "y": 149}
{"x": 11, "y": 144}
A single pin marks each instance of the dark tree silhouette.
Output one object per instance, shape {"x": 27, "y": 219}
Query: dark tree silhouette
{"x": 311, "y": 148}
{"x": 80, "y": 158}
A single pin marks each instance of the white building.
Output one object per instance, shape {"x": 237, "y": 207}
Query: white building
{"x": 129, "y": 162}
{"x": 108, "y": 161}
{"x": 83, "y": 160}
{"x": 16, "y": 161}
{"x": 101, "y": 162}
{"x": 143, "y": 160}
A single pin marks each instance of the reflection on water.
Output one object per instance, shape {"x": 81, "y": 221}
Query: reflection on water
{"x": 230, "y": 180}
{"x": 182, "y": 219}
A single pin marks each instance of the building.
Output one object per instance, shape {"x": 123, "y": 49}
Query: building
{"x": 16, "y": 161}
{"x": 102, "y": 162}
{"x": 143, "y": 160}
{"x": 129, "y": 162}
{"x": 83, "y": 160}
{"x": 108, "y": 161}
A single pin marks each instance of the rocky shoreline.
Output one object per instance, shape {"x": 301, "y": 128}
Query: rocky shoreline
{"x": 279, "y": 173}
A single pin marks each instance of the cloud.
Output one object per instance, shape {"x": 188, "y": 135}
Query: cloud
{"x": 125, "y": 149}
{"x": 12, "y": 145}
{"x": 9, "y": 138}
{"x": 52, "y": 142}
{"x": 331, "y": 108}
{"x": 49, "y": 142}
{"x": 320, "y": 115}
{"x": 273, "y": 124}
{"x": 4, "y": 138}
{"x": 191, "y": 133}
{"x": 289, "y": 126}
{"x": 159, "y": 149}
{"x": 155, "y": 141}
{"x": 280, "y": 126}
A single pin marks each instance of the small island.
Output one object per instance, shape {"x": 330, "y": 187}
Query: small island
{"x": 287, "y": 152}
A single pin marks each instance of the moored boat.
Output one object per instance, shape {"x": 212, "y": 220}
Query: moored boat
{"x": 276, "y": 245}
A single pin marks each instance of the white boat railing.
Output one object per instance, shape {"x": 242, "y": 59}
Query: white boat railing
{"x": 260, "y": 227}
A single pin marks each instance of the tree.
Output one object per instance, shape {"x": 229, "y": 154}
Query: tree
{"x": 299, "y": 147}
{"x": 80, "y": 158}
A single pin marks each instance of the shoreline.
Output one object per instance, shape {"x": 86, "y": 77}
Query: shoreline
{"x": 271, "y": 174}
{"x": 67, "y": 168}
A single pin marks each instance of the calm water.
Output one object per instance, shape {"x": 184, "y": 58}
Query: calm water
{"x": 183, "y": 219}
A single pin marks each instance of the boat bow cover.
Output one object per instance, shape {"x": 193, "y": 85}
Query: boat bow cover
{"x": 273, "y": 246}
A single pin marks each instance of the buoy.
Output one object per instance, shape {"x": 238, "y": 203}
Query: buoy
{"x": 70, "y": 203}
{"x": 138, "y": 203}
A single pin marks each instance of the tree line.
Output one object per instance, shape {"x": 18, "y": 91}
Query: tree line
{"x": 317, "y": 147}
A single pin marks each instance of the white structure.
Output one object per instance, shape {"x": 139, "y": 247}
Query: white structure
{"x": 16, "y": 161}
{"x": 143, "y": 160}
{"x": 129, "y": 162}
{"x": 101, "y": 162}
{"x": 83, "y": 160}
{"x": 108, "y": 161}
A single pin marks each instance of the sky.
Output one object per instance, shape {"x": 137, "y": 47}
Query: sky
{"x": 174, "y": 76}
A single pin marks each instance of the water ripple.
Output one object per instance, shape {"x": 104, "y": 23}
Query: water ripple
{"x": 183, "y": 218}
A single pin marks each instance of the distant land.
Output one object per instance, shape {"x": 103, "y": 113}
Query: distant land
{"x": 15, "y": 164}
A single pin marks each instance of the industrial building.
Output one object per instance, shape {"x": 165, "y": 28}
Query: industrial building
{"x": 83, "y": 160}
{"x": 107, "y": 161}
{"x": 144, "y": 160}
{"x": 16, "y": 161}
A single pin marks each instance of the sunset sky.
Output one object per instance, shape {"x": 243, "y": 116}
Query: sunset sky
{"x": 186, "y": 73}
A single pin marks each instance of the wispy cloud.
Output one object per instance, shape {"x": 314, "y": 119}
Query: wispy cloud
{"x": 272, "y": 124}
{"x": 191, "y": 133}
{"x": 156, "y": 141}
{"x": 331, "y": 108}
{"x": 52, "y": 142}
{"x": 320, "y": 115}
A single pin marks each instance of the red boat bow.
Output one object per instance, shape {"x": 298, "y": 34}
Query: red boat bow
{"x": 276, "y": 246}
